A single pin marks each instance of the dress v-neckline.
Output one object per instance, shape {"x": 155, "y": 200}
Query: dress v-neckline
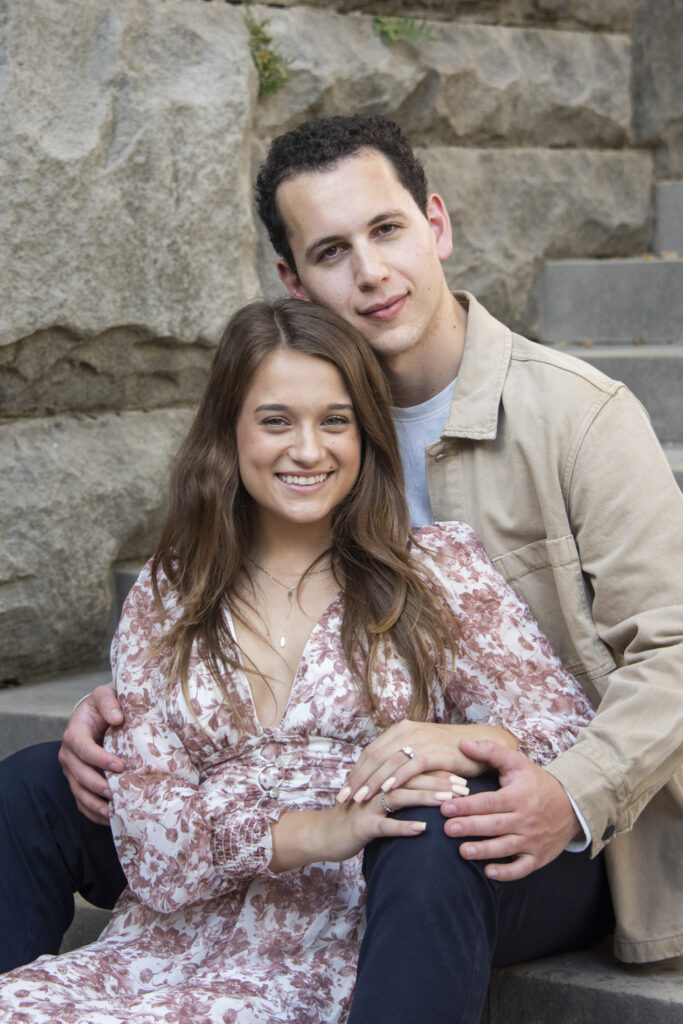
{"x": 245, "y": 678}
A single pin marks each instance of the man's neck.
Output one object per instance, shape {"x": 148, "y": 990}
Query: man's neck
{"x": 416, "y": 376}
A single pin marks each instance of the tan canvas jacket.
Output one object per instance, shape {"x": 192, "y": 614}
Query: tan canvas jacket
{"x": 558, "y": 470}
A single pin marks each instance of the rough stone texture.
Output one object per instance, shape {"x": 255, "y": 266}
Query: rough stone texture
{"x": 614, "y": 15}
{"x": 512, "y": 209}
{"x": 473, "y": 84}
{"x": 56, "y": 370}
{"x": 658, "y": 82}
{"x": 78, "y": 493}
{"x": 124, "y": 168}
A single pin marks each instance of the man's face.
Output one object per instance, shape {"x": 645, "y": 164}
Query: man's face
{"x": 363, "y": 248}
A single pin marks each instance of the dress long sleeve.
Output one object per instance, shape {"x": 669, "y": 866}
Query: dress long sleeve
{"x": 506, "y": 673}
{"x": 182, "y": 834}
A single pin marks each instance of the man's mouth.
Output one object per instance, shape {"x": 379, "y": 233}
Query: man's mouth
{"x": 385, "y": 309}
{"x": 302, "y": 481}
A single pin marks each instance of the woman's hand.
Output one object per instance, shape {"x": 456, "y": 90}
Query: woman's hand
{"x": 340, "y": 832}
{"x": 383, "y": 765}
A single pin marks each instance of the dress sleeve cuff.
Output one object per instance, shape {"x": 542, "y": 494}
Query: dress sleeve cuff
{"x": 243, "y": 846}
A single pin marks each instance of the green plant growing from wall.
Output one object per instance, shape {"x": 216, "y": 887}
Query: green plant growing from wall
{"x": 402, "y": 30}
{"x": 269, "y": 62}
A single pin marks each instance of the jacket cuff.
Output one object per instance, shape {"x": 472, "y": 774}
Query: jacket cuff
{"x": 597, "y": 789}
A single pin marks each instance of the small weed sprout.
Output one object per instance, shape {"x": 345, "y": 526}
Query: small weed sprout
{"x": 269, "y": 62}
{"x": 402, "y": 30}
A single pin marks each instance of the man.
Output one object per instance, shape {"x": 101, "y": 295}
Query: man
{"x": 556, "y": 468}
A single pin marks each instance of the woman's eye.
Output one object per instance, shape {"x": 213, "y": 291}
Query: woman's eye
{"x": 336, "y": 421}
{"x": 274, "y": 421}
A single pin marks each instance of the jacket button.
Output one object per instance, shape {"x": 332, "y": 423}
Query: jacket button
{"x": 609, "y": 831}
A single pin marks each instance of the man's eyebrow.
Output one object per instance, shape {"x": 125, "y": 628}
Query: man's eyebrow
{"x": 331, "y": 239}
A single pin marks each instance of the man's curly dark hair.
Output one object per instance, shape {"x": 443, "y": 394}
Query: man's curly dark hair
{"x": 322, "y": 142}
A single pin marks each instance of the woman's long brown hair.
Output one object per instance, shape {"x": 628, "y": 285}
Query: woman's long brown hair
{"x": 209, "y": 529}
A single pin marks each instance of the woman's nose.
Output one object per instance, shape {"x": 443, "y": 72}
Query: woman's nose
{"x": 307, "y": 446}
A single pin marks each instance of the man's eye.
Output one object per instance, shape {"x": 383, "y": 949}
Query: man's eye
{"x": 329, "y": 253}
{"x": 387, "y": 229}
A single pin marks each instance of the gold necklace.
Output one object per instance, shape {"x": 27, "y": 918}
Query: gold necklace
{"x": 290, "y": 592}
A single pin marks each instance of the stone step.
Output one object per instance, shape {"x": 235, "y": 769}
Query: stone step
{"x": 668, "y": 217}
{"x": 611, "y": 300}
{"x": 586, "y": 988}
{"x": 674, "y": 453}
{"x": 86, "y": 926}
{"x": 34, "y": 712}
{"x": 654, "y": 373}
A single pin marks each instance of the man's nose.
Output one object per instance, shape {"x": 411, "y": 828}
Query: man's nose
{"x": 370, "y": 268}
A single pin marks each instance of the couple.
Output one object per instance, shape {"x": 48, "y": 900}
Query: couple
{"x": 287, "y": 620}
{"x": 558, "y": 471}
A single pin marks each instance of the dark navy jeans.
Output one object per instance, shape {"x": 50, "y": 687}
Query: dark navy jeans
{"x": 48, "y": 851}
{"x": 436, "y": 924}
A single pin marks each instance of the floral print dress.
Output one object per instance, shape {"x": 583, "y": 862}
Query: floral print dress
{"x": 205, "y": 932}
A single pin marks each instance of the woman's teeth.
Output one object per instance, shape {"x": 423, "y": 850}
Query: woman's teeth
{"x": 302, "y": 481}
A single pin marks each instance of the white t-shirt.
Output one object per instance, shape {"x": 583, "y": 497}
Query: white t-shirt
{"x": 417, "y": 426}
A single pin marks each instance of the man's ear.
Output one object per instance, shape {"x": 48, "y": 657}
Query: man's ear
{"x": 440, "y": 223}
{"x": 290, "y": 280}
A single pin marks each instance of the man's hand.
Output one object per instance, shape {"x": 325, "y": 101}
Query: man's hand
{"x": 82, "y": 757}
{"x": 529, "y": 818}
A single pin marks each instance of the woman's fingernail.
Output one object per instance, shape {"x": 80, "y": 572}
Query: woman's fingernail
{"x": 418, "y": 826}
{"x": 458, "y": 780}
{"x": 443, "y": 796}
{"x": 460, "y": 790}
{"x": 343, "y": 794}
{"x": 389, "y": 784}
{"x": 361, "y": 794}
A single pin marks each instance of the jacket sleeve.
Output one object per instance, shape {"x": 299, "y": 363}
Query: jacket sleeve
{"x": 505, "y": 673}
{"x": 626, "y": 513}
{"x": 180, "y": 838}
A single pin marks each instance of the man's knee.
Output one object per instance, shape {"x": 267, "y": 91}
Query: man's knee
{"x": 32, "y": 774}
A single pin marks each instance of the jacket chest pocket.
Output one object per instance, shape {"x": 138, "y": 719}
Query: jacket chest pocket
{"x": 547, "y": 574}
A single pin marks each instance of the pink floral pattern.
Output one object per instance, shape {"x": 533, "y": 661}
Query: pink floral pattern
{"x": 205, "y": 931}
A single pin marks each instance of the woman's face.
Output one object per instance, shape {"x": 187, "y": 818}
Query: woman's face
{"x": 298, "y": 441}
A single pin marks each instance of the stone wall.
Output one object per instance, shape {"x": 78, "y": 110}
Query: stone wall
{"x": 129, "y": 133}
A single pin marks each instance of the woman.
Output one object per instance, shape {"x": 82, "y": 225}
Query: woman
{"x": 286, "y": 620}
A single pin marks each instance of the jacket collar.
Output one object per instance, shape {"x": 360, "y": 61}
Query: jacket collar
{"x": 485, "y": 360}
